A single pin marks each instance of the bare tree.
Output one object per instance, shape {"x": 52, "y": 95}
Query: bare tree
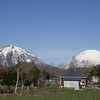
{"x": 23, "y": 68}
{"x": 73, "y": 65}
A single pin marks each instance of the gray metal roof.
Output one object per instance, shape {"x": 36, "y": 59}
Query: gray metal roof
{"x": 73, "y": 75}
{"x": 72, "y": 79}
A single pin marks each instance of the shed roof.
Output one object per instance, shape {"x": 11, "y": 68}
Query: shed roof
{"x": 73, "y": 75}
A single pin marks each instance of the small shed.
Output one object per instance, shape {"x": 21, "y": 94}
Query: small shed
{"x": 73, "y": 80}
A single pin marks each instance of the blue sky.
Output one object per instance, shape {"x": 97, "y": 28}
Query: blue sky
{"x": 52, "y": 30}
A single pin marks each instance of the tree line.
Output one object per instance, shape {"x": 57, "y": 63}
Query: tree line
{"x": 22, "y": 74}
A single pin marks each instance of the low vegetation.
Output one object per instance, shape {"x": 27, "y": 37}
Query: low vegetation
{"x": 54, "y": 92}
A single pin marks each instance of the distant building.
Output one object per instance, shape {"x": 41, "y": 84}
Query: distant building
{"x": 73, "y": 80}
{"x": 56, "y": 80}
{"x": 95, "y": 79}
{"x": 3, "y": 68}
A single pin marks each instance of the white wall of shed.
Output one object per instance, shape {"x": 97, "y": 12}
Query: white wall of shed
{"x": 72, "y": 84}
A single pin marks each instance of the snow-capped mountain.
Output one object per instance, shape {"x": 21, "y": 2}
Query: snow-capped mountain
{"x": 12, "y": 54}
{"x": 87, "y": 58}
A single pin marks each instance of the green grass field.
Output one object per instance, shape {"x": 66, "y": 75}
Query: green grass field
{"x": 54, "y": 93}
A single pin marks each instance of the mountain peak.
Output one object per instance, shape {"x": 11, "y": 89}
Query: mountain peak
{"x": 13, "y": 46}
{"x": 91, "y": 51}
{"x": 87, "y": 58}
{"x": 89, "y": 55}
{"x": 12, "y": 54}
{"x": 10, "y": 46}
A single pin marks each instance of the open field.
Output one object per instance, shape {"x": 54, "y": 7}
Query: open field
{"x": 54, "y": 93}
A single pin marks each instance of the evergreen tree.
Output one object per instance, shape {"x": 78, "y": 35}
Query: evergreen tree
{"x": 8, "y": 77}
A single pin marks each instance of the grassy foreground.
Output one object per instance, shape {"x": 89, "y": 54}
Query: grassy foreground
{"x": 54, "y": 93}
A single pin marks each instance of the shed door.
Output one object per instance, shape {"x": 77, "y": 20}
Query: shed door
{"x": 71, "y": 84}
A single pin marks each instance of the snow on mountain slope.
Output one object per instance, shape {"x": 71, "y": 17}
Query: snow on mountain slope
{"x": 87, "y": 58}
{"x": 65, "y": 65}
{"x": 92, "y": 56}
{"x": 11, "y": 55}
